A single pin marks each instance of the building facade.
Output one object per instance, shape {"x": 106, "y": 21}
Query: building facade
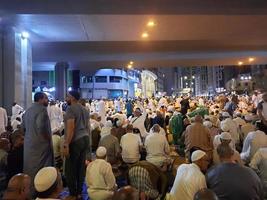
{"x": 110, "y": 83}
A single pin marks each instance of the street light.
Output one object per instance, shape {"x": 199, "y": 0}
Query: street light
{"x": 251, "y": 59}
{"x": 185, "y": 77}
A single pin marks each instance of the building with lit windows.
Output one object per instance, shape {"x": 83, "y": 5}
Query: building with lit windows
{"x": 148, "y": 83}
{"x": 110, "y": 83}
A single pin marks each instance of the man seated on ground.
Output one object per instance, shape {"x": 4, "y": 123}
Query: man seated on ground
{"x": 126, "y": 193}
{"x": 95, "y": 130}
{"x": 15, "y": 156}
{"x": 224, "y": 138}
{"x": 18, "y": 188}
{"x": 205, "y": 194}
{"x": 157, "y": 148}
{"x": 259, "y": 165}
{"x": 131, "y": 146}
{"x": 100, "y": 178}
{"x": 111, "y": 143}
{"x": 247, "y": 127}
{"x": 253, "y": 142}
{"x": 190, "y": 178}
{"x": 48, "y": 184}
{"x": 148, "y": 179}
{"x": 198, "y": 136}
{"x": 231, "y": 181}
{"x": 4, "y": 148}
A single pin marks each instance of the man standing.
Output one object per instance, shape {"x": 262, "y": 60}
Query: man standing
{"x": 76, "y": 144}
{"x": 3, "y": 120}
{"x": 102, "y": 110}
{"x": 55, "y": 115}
{"x": 38, "y": 149}
{"x": 189, "y": 177}
{"x": 138, "y": 120}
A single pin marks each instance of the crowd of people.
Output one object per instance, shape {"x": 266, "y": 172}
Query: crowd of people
{"x": 128, "y": 148}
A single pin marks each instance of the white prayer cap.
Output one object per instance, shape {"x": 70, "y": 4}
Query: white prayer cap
{"x": 225, "y": 114}
{"x": 239, "y": 121}
{"x": 225, "y": 136}
{"x": 108, "y": 124}
{"x": 197, "y": 155}
{"x": 225, "y": 127}
{"x": 208, "y": 124}
{"x": 45, "y": 178}
{"x": 101, "y": 151}
{"x": 248, "y": 117}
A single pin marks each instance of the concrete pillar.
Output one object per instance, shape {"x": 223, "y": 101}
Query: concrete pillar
{"x": 16, "y": 70}
{"x": 1, "y": 71}
{"x": 61, "y": 70}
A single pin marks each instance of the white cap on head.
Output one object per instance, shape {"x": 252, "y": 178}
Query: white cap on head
{"x": 225, "y": 136}
{"x": 101, "y": 151}
{"x": 45, "y": 178}
{"x": 208, "y": 124}
{"x": 197, "y": 155}
{"x": 225, "y": 127}
{"x": 225, "y": 114}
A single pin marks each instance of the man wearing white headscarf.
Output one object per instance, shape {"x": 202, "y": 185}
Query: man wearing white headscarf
{"x": 157, "y": 147}
{"x": 99, "y": 177}
{"x": 106, "y": 129}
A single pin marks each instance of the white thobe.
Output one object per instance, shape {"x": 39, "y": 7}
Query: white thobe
{"x": 16, "y": 110}
{"x": 189, "y": 180}
{"x": 56, "y": 117}
{"x": 130, "y": 144}
{"x": 252, "y": 143}
{"x": 100, "y": 180}
{"x": 139, "y": 122}
{"x": 102, "y": 111}
{"x": 233, "y": 129}
{"x": 157, "y": 148}
{"x": 3, "y": 120}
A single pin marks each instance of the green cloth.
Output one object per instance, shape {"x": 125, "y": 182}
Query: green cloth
{"x": 176, "y": 127}
{"x": 201, "y": 110}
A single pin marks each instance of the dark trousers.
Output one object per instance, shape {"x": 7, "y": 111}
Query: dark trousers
{"x": 75, "y": 165}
